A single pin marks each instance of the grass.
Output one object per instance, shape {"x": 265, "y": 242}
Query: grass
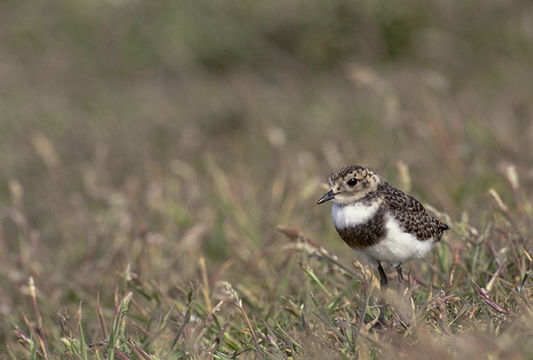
{"x": 161, "y": 162}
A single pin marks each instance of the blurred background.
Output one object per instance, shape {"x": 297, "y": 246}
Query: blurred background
{"x": 156, "y": 133}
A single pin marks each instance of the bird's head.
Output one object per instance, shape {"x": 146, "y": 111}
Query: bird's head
{"x": 349, "y": 184}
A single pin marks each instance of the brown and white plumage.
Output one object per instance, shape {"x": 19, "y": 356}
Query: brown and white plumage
{"x": 379, "y": 221}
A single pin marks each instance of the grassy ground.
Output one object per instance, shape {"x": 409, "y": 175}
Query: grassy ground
{"x": 161, "y": 161}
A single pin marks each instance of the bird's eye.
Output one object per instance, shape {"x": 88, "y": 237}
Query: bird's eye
{"x": 352, "y": 182}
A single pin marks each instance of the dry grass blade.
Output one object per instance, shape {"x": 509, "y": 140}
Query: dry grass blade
{"x": 484, "y": 296}
{"x": 140, "y": 353}
{"x": 101, "y": 320}
{"x": 83, "y": 344}
{"x": 38, "y": 318}
{"x": 121, "y": 355}
{"x": 304, "y": 243}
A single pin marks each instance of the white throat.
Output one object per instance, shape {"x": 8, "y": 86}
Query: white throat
{"x": 345, "y": 216}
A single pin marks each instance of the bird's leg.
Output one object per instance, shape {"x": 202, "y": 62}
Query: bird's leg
{"x": 383, "y": 284}
{"x": 401, "y": 279}
{"x": 382, "y": 276}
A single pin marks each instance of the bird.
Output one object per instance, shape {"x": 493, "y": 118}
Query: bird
{"x": 380, "y": 222}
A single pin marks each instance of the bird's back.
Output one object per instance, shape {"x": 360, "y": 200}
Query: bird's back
{"x": 411, "y": 214}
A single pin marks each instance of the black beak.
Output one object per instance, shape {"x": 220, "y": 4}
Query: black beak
{"x": 327, "y": 196}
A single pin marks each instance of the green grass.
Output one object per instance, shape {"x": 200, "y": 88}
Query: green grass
{"x": 161, "y": 162}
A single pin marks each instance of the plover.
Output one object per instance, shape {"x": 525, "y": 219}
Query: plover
{"x": 378, "y": 221}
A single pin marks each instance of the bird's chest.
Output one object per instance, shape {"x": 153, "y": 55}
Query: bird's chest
{"x": 359, "y": 225}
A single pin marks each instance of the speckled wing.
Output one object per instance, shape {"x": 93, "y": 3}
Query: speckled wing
{"x": 411, "y": 215}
